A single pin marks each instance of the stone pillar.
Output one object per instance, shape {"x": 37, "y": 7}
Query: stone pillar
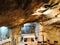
{"x": 45, "y": 36}
{"x": 14, "y": 35}
{"x": 42, "y": 33}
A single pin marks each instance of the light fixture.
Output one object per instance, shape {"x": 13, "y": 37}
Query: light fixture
{"x": 39, "y": 11}
{"x": 48, "y": 11}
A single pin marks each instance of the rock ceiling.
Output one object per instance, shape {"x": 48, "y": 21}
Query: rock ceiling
{"x": 17, "y": 12}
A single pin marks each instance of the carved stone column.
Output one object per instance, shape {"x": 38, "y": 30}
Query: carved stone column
{"x": 14, "y": 35}
{"x": 42, "y": 33}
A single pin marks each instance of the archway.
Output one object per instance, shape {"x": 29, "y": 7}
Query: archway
{"x": 29, "y": 32}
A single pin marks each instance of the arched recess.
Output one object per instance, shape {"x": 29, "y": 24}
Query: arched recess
{"x": 29, "y": 28}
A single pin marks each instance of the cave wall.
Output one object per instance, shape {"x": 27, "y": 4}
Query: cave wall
{"x": 53, "y": 34}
